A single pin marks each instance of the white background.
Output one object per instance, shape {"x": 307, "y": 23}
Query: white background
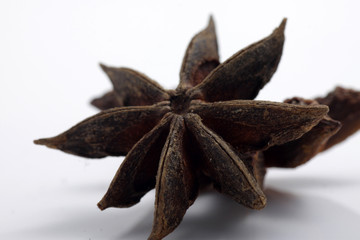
{"x": 49, "y": 55}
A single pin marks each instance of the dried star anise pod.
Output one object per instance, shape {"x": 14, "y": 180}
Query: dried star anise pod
{"x": 209, "y": 130}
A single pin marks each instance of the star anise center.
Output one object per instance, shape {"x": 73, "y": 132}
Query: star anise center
{"x": 179, "y": 101}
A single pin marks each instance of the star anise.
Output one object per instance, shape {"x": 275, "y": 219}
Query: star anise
{"x": 209, "y": 130}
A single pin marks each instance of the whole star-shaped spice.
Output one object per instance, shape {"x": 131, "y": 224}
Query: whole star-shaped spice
{"x": 208, "y": 131}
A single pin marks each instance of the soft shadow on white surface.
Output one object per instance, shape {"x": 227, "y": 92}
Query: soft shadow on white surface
{"x": 285, "y": 217}
{"x": 213, "y": 216}
{"x": 311, "y": 182}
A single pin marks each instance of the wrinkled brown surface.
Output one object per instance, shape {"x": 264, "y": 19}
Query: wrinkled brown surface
{"x": 344, "y": 105}
{"x": 299, "y": 151}
{"x": 224, "y": 167}
{"x": 176, "y": 186}
{"x": 246, "y": 72}
{"x": 208, "y": 131}
{"x": 136, "y": 175}
{"x": 256, "y": 125}
{"x": 110, "y": 133}
{"x": 201, "y": 57}
{"x": 108, "y": 100}
{"x": 131, "y": 88}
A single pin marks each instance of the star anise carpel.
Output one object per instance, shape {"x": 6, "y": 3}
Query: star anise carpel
{"x": 209, "y": 130}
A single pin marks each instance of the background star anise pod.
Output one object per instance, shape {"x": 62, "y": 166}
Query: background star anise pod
{"x": 208, "y": 130}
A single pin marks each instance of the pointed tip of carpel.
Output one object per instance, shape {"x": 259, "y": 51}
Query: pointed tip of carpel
{"x": 42, "y": 141}
{"x": 103, "y": 67}
{"x": 211, "y": 24}
{"x": 260, "y": 200}
{"x": 260, "y": 203}
{"x": 335, "y": 126}
{"x": 54, "y": 142}
{"x": 322, "y": 110}
{"x": 96, "y": 102}
{"x": 283, "y": 24}
{"x": 102, "y": 205}
{"x": 211, "y": 20}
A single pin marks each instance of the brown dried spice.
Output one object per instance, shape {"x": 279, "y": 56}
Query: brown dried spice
{"x": 207, "y": 131}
